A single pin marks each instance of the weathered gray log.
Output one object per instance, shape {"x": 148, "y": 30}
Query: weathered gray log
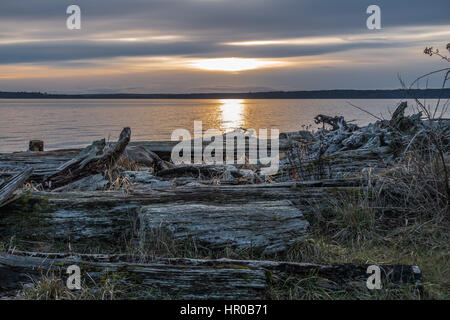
{"x": 265, "y": 226}
{"x": 143, "y": 156}
{"x": 155, "y": 154}
{"x": 93, "y": 150}
{"x": 90, "y": 164}
{"x": 270, "y": 226}
{"x": 300, "y": 192}
{"x": 336, "y": 122}
{"x": 201, "y": 171}
{"x": 90, "y": 183}
{"x": 7, "y": 191}
{"x": 402, "y": 123}
{"x": 191, "y": 278}
{"x": 338, "y": 165}
{"x": 42, "y": 162}
{"x": 153, "y": 280}
{"x": 112, "y": 218}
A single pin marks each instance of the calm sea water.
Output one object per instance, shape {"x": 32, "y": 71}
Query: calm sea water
{"x": 76, "y": 123}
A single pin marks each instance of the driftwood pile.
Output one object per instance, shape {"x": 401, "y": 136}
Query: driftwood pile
{"x": 107, "y": 195}
{"x": 340, "y": 149}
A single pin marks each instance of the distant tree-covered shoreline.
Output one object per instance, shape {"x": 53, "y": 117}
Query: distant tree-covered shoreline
{"x": 316, "y": 94}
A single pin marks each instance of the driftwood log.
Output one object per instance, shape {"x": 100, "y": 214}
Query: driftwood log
{"x": 42, "y": 162}
{"x": 111, "y": 219}
{"x": 270, "y": 226}
{"x": 142, "y": 155}
{"x": 7, "y": 191}
{"x": 190, "y": 278}
{"x": 155, "y": 154}
{"x": 90, "y": 163}
{"x": 336, "y": 122}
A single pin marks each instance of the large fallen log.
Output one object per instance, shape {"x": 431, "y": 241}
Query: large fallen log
{"x": 90, "y": 163}
{"x": 48, "y": 161}
{"x": 261, "y": 225}
{"x": 299, "y": 192}
{"x": 7, "y": 191}
{"x": 190, "y": 278}
{"x": 241, "y": 216}
{"x": 270, "y": 226}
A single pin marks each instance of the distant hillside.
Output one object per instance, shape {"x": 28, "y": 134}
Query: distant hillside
{"x": 317, "y": 94}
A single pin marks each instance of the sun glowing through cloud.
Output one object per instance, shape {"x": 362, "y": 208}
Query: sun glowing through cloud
{"x": 233, "y": 64}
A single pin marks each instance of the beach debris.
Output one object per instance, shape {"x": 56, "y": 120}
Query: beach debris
{"x": 336, "y": 122}
{"x": 269, "y": 226}
{"x": 143, "y": 177}
{"x": 7, "y": 190}
{"x": 91, "y": 161}
{"x": 302, "y": 135}
{"x": 36, "y": 145}
{"x": 226, "y": 173}
{"x": 405, "y": 124}
{"x": 143, "y": 156}
{"x": 93, "y": 150}
{"x": 89, "y": 183}
{"x": 345, "y": 150}
{"x": 260, "y": 217}
{"x": 195, "y": 278}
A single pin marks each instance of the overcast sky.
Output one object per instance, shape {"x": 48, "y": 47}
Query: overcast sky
{"x": 217, "y": 45}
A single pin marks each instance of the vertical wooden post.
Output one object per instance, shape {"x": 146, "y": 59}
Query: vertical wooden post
{"x": 36, "y": 145}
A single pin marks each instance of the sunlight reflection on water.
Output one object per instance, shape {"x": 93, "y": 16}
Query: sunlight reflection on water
{"x": 232, "y": 114}
{"x": 76, "y": 123}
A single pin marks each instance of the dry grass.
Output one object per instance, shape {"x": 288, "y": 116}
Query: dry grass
{"x": 403, "y": 219}
{"x": 52, "y": 287}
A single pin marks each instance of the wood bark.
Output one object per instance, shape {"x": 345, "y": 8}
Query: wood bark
{"x": 267, "y": 226}
{"x": 191, "y": 278}
{"x": 90, "y": 164}
{"x": 7, "y": 191}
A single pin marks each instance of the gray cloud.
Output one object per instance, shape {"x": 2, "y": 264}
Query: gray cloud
{"x": 79, "y": 50}
{"x": 205, "y": 25}
{"x": 71, "y": 51}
